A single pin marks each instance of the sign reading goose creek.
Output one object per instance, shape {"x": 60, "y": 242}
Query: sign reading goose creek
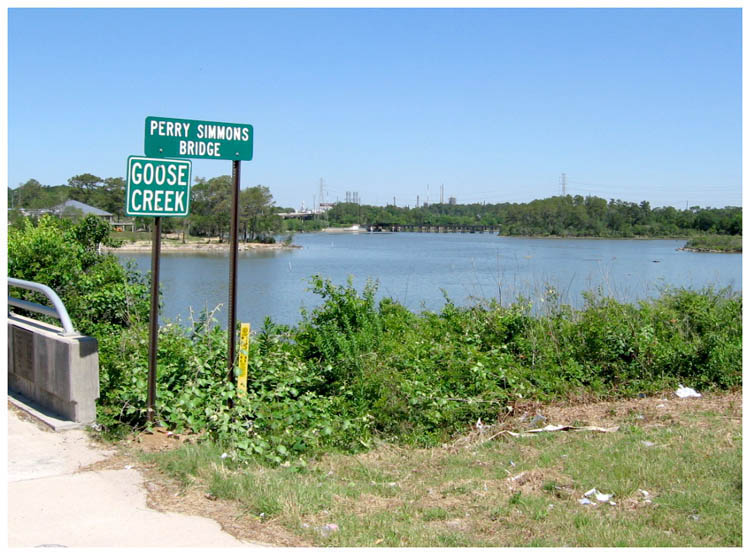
{"x": 187, "y": 138}
{"x": 158, "y": 187}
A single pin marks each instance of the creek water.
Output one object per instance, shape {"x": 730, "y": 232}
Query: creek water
{"x": 421, "y": 269}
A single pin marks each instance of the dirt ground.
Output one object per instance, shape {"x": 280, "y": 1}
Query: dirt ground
{"x": 165, "y": 494}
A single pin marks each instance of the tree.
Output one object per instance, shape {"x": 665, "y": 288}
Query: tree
{"x": 28, "y": 195}
{"x": 110, "y": 196}
{"x": 83, "y": 186}
{"x": 210, "y": 206}
{"x": 257, "y": 213}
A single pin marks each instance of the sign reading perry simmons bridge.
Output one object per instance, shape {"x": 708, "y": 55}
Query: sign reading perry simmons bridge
{"x": 187, "y": 138}
{"x": 158, "y": 187}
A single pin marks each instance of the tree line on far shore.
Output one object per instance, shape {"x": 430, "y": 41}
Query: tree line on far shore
{"x": 564, "y": 216}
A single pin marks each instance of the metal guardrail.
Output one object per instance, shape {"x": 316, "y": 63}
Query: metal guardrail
{"x": 58, "y": 311}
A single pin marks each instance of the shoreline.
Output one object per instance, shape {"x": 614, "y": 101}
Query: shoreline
{"x": 703, "y": 250}
{"x": 143, "y": 246}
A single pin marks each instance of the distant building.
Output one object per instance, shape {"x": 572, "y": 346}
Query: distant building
{"x": 451, "y": 200}
{"x": 33, "y": 212}
{"x": 85, "y": 209}
{"x": 74, "y": 207}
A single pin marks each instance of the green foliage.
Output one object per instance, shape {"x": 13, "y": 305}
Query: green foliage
{"x": 567, "y": 216}
{"x": 97, "y": 291}
{"x": 294, "y": 225}
{"x": 211, "y": 209}
{"x": 355, "y": 370}
{"x": 715, "y": 243}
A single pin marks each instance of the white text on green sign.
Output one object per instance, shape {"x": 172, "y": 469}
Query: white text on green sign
{"x": 184, "y": 138}
{"x": 158, "y": 187}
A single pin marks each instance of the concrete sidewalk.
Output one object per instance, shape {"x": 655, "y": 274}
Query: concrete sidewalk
{"x": 51, "y": 504}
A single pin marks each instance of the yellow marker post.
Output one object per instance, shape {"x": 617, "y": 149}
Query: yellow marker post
{"x": 244, "y": 351}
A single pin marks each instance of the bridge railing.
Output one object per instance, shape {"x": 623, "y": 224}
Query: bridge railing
{"x": 56, "y": 311}
{"x": 56, "y": 369}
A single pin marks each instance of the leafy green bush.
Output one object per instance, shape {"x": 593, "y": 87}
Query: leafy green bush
{"x": 715, "y": 243}
{"x": 98, "y": 292}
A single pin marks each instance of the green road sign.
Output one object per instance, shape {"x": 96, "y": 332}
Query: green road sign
{"x": 187, "y": 138}
{"x": 158, "y": 187}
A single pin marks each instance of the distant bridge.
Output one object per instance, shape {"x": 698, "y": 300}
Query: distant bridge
{"x": 424, "y": 228}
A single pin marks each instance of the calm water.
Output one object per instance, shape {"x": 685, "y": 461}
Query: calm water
{"x": 415, "y": 269}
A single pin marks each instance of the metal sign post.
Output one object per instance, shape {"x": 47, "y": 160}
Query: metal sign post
{"x": 153, "y": 328}
{"x": 233, "y": 270}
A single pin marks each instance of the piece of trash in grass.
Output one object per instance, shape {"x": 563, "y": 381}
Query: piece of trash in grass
{"x": 328, "y": 529}
{"x": 601, "y": 497}
{"x": 586, "y": 501}
{"x": 660, "y": 406}
{"x": 683, "y": 392}
{"x": 224, "y": 455}
{"x": 555, "y": 428}
{"x": 646, "y": 443}
{"x": 537, "y": 420}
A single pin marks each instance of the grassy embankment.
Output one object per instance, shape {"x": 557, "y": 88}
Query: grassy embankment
{"x": 715, "y": 243}
{"x": 484, "y": 489}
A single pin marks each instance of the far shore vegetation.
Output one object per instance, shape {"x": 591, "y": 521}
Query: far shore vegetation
{"x": 715, "y": 243}
{"x": 560, "y": 216}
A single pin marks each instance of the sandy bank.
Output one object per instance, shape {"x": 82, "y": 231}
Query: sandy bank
{"x": 350, "y": 229}
{"x": 169, "y": 246}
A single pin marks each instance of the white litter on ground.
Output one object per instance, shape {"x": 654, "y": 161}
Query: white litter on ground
{"x": 599, "y": 496}
{"x": 683, "y": 392}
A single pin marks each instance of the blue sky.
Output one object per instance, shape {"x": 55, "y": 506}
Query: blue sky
{"x": 494, "y": 104}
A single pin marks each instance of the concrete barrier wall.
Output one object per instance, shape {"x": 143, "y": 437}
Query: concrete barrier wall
{"x": 59, "y": 372}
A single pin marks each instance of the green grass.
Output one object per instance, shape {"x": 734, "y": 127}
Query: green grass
{"x": 131, "y": 236}
{"x": 715, "y": 243}
{"x": 462, "y": 494}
